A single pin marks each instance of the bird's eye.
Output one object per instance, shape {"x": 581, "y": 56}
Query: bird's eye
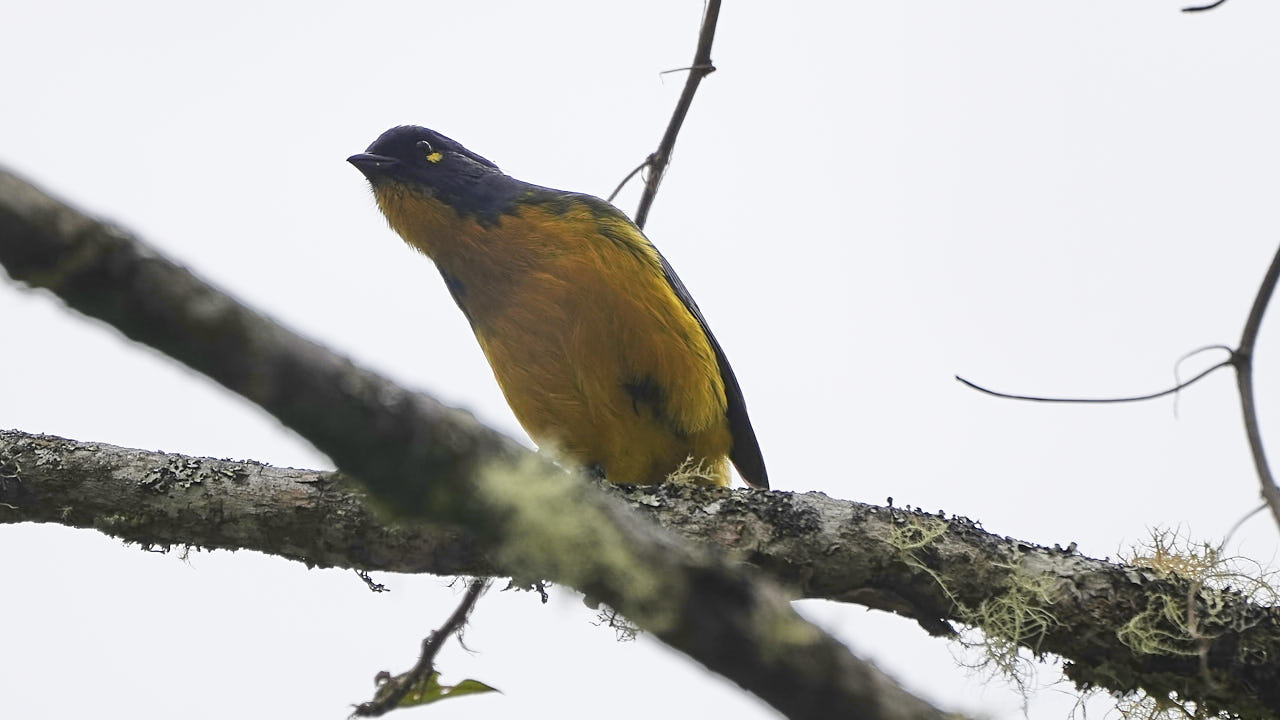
{"x": 429, "y": 152}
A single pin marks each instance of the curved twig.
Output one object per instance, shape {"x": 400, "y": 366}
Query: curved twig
{"x": 1096, "y": 401}
{"x": 700, "y": 68}
{"x": 1192, "y": 353}
{"x": 1242, "y": 358}
{"x": 1177, "y": 366}
{"x": 630, "y": 175}
{"x": 1202, "y": 8}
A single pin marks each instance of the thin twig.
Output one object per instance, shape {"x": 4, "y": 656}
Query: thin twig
{"x": 373, "y": 585}
{"x": 710, "y": 68}
{"x": 1177, "y": 366}
{"x": 1243, "y": 360}
{"x": 1132, "y": 398}
{"x": 393, "y": 689}
{"x": 630, "y": 175}
{"x": 1202, "y": 8}
{"x": 700, "y": 68}
{"x": 1222, "y": 546}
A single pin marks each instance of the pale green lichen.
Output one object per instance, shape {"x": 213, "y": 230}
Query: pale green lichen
{"x": 1160, "y": 628}
{"x": 1181, "y": 624}
{"x": 1173, "y": 553}
{"x": 915, "y": 535}
{"x": 549, "y": 526}
{"x": 1185, "y": 623}
{"x": 1012, "y": 622}
{"x": 694, "y": 472}
{"x": 1005, "y": 623}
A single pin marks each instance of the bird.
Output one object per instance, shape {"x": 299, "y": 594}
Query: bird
{"x": 595, "y": 342}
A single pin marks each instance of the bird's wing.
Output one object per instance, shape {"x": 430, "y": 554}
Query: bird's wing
{"x": 745, "y": 453}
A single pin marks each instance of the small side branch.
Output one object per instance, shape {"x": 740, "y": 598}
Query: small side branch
{"x": 1202, "y": 8}
{"x": 1096, "y": 401}
{"x": 1241, "y": 359}
{"x": 394, "y": 689}
{"x": 627, "y": 179}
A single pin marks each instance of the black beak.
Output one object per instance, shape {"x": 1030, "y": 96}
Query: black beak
{"x": 373, "y": 165}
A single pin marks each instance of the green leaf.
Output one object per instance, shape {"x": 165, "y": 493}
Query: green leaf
{"x": 430, "y": 690}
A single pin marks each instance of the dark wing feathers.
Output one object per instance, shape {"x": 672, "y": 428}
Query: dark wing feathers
{"x": 745, "y": 453}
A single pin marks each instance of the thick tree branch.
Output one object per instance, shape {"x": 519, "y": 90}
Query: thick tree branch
{"x": 926, "y": 567}
{"x": 429, "y": 462}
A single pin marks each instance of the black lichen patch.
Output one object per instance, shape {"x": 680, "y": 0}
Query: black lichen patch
{"x": 12, "y": 492}
{"x": 787, "y": 518}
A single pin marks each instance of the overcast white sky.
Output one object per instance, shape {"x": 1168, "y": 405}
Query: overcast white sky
{"x": 867, "y": 198}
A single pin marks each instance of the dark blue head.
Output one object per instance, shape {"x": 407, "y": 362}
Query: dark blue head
{"x": 416, "y": 148}
{"x": 425, "y": 161}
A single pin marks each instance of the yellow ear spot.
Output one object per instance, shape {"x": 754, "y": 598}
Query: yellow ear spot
{"x": 435, "y": 157}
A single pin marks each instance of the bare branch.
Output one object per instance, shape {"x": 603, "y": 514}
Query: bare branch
{"x": 1127, "y": 399}
{"x": 630, "y": 175}
{"x": 1202, "y": 8}
{"x": 657, "y": 162}
{"x": 1243, "y": 359}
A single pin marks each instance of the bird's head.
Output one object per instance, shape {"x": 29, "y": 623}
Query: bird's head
{"x": 418, "y": 156}
{"x": 410, "y": 166}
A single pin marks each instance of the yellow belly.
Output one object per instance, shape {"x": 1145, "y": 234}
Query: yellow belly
{"x": 622, "y": 378}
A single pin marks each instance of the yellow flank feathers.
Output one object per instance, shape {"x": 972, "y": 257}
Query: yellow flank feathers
{"x": 596, "y": 346}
